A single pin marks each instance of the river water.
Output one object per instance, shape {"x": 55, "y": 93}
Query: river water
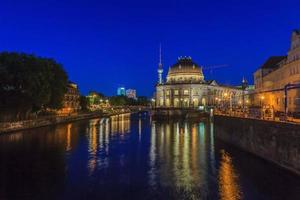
{"x": 133, "y": 157}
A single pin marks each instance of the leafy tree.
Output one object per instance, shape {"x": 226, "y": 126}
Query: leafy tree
{"x": 29, "y": 83}
{"x": 125, "y": 101}
{"x": 83, "y": 103}
{"x": 118, "y": 101}
{"x": 143, "y": 101}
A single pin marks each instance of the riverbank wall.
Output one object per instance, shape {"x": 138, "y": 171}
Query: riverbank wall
{"x": 177, "y": 113}
{"x": 45, "y": 121}
{"x": 8, "y": 127}
{"x": 277, "y": 142}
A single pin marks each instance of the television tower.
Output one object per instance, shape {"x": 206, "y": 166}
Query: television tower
{"x": 160, "y": 68}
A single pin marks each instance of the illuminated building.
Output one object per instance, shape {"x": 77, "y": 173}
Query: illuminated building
{"x": 131, "y": 93}
{"x": 71, "y": 101}
{"x": 185, "y": 87}
{"x": 276, "y": 73}
{"x": 97, "y": 101}
{"x": 121, "y": 91}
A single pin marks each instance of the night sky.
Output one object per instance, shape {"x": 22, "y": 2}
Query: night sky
{"x": 104, "y": 44}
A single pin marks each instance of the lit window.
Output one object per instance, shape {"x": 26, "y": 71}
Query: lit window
{"x": 176, "y": 92}
{"x": 185, "y": 92}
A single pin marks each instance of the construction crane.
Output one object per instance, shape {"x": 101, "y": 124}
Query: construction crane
{"x": 213, "y": 67}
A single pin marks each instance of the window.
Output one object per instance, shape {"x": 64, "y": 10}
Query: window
{"x": 185, "y": 92}
{"x": 168, "y": 92}
{"x": 176, "y": 92}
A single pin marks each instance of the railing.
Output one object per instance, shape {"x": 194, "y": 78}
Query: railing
{"x": 261, "y": 114}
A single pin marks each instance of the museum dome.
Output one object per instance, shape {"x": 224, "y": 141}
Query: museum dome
{"x": 185, "y": 71}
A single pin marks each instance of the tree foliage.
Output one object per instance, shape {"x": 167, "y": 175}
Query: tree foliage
{"x": 125, "y": 101}
{"x": 83, "y": 103}
{"x": 29, "y": 83}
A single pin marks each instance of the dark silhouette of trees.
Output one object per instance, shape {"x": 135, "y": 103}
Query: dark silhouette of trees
{"x": 83, "y": 103}
{"x": 125, "y": 101}
{"x": 28, "y": 84}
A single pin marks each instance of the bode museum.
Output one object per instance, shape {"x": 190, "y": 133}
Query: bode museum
{"x": 186, "y": 87}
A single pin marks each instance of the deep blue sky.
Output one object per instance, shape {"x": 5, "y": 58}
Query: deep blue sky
{"x": 103, "y": 44}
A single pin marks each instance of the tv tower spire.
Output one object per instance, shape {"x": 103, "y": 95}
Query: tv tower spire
{"x": 160, "y": 67}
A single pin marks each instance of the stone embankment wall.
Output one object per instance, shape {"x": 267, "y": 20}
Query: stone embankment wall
{"x": 171, "y": 113}
{"x": 277, "y": 142}
{"x": 20, "y": 125}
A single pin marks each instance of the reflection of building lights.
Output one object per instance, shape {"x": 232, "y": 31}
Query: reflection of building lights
{"x": 228, "y": 180}
{"x": 262, "y": 97}
{"x": 69, "y": 126}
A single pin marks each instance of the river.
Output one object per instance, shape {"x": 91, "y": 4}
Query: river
{"x": 134, "y": 157}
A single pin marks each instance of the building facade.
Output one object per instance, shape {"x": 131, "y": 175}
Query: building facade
{"x": 131, "y": 93}
{"x": 121, "y": 91}
{"x": 71, "y": 101}
{"x": 185, "y": 87}
{"x": 278, "y": 76}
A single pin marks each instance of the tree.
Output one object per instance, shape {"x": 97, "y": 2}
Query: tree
{"x": 118, "y": 100}
{"x": 83, "y": 103}
{"x": 143, "y": 101}
{"x": 125, "y": 101}
{"x": 29, "y": 83}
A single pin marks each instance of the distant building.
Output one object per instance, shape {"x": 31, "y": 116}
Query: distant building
{"x": 121, "y": 91}
{"x": 273, "y": 77}
{"x": 97, "y": 101}
{"x": 185, "y": 87}
{"x": 71, "y": 101}
{"x": 131, "y": 93}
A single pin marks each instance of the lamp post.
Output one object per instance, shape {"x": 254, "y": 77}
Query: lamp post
{"x": 244, "y": 86}
{"x": 262, "y": 104}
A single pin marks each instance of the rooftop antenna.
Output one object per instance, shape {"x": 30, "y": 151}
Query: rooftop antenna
{"x": 160, "y": 67}
{"x": 160, "y": 58}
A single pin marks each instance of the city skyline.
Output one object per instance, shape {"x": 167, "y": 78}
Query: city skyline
{"x": 160, "y": 99}
{"x": 108, "y": 44}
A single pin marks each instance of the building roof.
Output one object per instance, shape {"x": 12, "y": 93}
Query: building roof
{"x": 297, "y": 31}
{"x": 273, "y": 62}
{"x": 185, "y": 65}
{"x": 211, "y": 82}
{"x": 185, "y": 71}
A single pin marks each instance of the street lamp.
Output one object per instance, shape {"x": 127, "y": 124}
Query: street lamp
{"x": 244, "y": 86}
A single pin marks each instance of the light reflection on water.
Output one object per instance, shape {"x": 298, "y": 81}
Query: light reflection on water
{"x": 228, "y": 179}
{"x": 124, "y": 157}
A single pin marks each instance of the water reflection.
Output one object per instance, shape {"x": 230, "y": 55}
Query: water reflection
{"x": 125, "y": 157}
{"x": 68, "y": 145}
{"x": 228, "y": 179}
{"x": 100, "y": 133}
{"x": 178, "y": 156}
{"x": 120, "y": 123}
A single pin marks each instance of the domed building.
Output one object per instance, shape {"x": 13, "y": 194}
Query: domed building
{"x": 185, "y": 71}
{"x": 186, "y": 87}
